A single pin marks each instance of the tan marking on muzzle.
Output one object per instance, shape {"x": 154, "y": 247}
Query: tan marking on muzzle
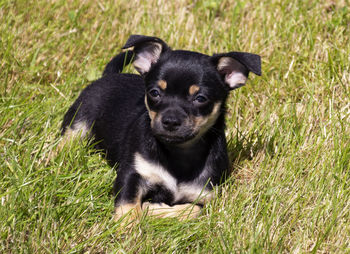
{"x": 152, "y": 114}
{"x": 162, "y": 84}
{"x": 203, "y": 123}
{"x": 193, "y": 89}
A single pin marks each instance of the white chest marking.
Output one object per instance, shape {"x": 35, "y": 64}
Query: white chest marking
{"x": 156, "y": 174}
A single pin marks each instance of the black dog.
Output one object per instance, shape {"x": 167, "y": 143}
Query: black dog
{"x": 165, "y": 128}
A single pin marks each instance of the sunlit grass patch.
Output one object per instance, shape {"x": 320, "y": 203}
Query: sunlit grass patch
{"x": 288, "y": 131}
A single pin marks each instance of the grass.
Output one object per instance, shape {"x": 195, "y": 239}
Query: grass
{"x": 288, "y": 131}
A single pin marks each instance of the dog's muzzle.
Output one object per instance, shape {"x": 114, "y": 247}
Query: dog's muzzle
{"x": 172, "y": 127}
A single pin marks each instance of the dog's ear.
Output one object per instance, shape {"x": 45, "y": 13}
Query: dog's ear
{"x": 235, "y": 67}
{"x": 147, "y": 51}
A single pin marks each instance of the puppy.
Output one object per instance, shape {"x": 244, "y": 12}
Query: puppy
{"x": 164, "y": 128}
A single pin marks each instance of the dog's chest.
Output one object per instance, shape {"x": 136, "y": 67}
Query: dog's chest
{"x": 155, "y": 174}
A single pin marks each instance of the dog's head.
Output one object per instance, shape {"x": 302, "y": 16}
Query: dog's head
{"x": 186, "y": 91}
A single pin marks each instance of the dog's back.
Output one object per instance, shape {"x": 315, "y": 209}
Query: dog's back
{"x": 114, "y": 98}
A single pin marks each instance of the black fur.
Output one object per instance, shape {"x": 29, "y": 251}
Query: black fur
{"x": 117, "y": 63}
{"x": 114, "y": 109}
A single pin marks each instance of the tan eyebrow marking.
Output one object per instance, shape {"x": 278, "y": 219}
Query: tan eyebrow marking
{"x": 162, "y": 84}
{"x": 193, "y": 89}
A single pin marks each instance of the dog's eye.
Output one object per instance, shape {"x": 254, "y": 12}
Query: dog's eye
{"x": 200, "y": 99}
{"x": 154, "y": 93}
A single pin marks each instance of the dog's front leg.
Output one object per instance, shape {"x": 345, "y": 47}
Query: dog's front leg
{"x": 130, "y": 210}
{"x": 181, "y": 212}
{"x": 128, "y": 199}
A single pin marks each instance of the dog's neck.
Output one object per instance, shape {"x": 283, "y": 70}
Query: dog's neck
{"x": 182, "y": 151}
{"x": 185, "y": 163}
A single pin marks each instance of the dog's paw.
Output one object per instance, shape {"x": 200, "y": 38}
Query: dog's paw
{"x": 181, "y": 212}
{"x": 128, "y": 214}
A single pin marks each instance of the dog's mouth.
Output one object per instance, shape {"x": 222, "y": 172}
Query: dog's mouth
{"x": 175, "y": 139}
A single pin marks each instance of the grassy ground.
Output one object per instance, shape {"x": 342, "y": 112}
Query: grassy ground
{"x": 288, "y": 131}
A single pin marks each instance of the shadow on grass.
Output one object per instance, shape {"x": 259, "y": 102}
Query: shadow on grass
{"x": 245, "y": 147}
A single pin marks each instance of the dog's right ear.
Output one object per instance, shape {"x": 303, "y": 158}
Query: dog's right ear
{"x": 234, "y": 67}
{"x": 147, "y": 51}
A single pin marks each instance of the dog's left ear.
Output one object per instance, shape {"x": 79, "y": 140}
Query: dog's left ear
{"x": 147, "y": 50}
{"x": 235, "y": 67}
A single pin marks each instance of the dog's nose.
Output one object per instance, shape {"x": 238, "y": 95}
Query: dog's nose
{"x": 171, "y": 122}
